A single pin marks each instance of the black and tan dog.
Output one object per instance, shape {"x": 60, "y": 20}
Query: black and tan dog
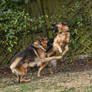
{"x": 61, "y": 40}
{"x": 59, "y": 43}
{"x": 33, "y": 55}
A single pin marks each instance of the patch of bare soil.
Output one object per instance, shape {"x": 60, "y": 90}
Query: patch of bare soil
{"x": 67, "y": 75}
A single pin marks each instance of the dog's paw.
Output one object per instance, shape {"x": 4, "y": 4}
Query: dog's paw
{"x": 22, "y": 81}
{"x": 60, "y": 50}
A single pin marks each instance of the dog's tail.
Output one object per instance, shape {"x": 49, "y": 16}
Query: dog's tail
{"x": 15, "y": 62}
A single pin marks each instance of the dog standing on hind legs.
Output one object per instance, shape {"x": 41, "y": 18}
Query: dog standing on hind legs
{"x": 60, "y": 41}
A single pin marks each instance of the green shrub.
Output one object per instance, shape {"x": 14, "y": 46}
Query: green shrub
{"x": 18, "y": 27}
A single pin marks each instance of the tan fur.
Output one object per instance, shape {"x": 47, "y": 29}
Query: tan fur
{"x": 14, "y": 64}
{"x": 43, "y": 60}
{"x": 61, "y": 40}
{"x": 21, "y": 69}
{"x": 36, "y": 44}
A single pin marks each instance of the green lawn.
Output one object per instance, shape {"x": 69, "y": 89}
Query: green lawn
{"x": 59, "y": 82}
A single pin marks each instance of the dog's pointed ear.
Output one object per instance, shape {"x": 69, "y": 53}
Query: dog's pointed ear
{"x": 64, "y": 23}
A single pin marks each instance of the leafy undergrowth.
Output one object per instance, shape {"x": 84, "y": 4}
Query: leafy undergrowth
{"x": 73, "y": 77}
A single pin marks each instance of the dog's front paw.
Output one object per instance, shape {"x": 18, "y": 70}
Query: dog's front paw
{"x": 60, "y": 50}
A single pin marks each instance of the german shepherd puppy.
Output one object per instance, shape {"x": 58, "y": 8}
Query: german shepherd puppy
{"x": 61, "y": 39}
{"x": 33, "y": 55}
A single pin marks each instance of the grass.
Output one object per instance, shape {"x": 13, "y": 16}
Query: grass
{"x": 32, "y": 87}
{"x": 78, "y": 79}
{"x": 46, "y": 84}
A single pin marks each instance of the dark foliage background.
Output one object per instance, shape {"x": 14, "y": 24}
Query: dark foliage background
{"x": 22, "y": 20}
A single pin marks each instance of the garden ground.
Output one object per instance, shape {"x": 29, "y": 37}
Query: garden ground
{"x": 69, "y": 77}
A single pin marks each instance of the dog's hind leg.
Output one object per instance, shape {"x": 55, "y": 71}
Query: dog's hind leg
{"x": 22, "y": 77}
{"x": 21, "y": 72}
{"x": 18, "y": 78}
{"x": 24, "y": 70}
{"x": 40, "y": 69}
{"x": 50, "y": 70}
